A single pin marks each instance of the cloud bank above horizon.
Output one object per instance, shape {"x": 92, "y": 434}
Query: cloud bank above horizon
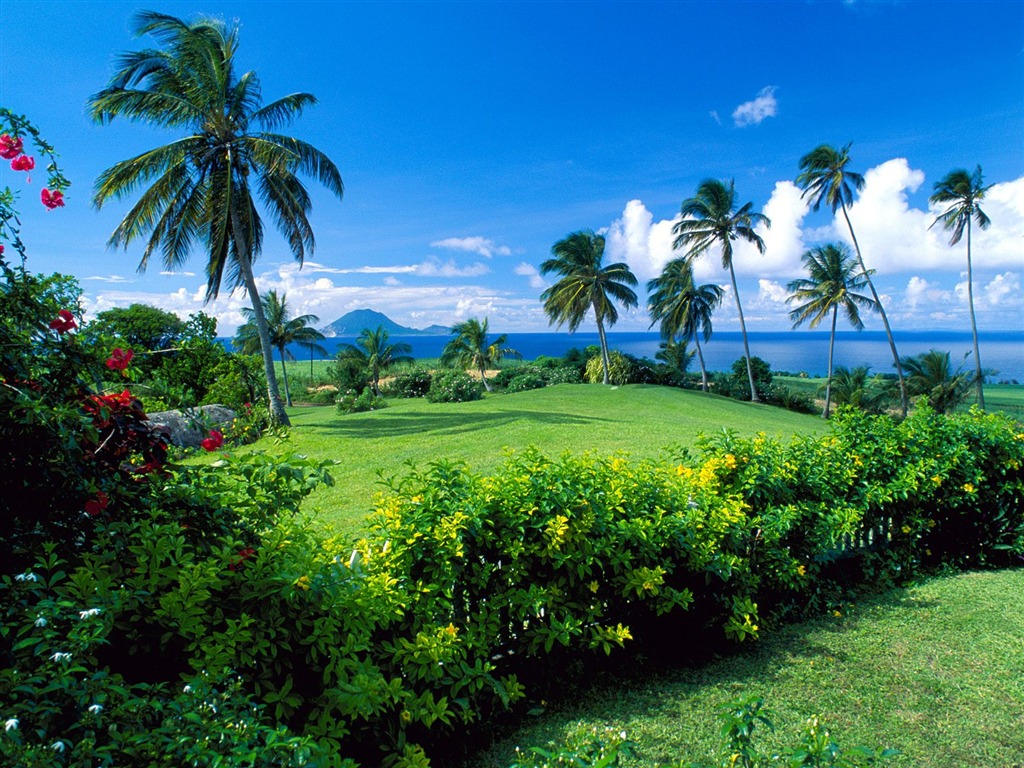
{"x": 922, "y": 278}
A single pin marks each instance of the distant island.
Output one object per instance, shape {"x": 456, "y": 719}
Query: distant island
{"x": 353, "y": 323}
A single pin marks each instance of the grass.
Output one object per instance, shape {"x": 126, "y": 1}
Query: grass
{"x": 1008, "y": 398}
{"x": 641, "y": 421}
{"x": 936, "y": 671}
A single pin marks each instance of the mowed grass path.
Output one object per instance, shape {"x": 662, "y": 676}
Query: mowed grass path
{"x": 936, "y": 671}
{"x": 641, "y": 421}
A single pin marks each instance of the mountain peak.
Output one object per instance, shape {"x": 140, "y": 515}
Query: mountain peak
{"x": 352, "y": 324}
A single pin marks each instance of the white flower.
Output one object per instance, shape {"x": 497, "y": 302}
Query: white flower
{"x": 58, "y": 746}
{"x": 61, "y": 657}
{"x": 96, "y": 709}
{"x": 26, "y": 577}
{"x": 11, "y": 725}
{"x": 187, "y": 689}
{"x": 89, "y": 614}
{"x": 41, "y": 621}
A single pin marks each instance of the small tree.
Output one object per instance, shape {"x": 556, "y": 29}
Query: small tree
{"x": 471, "y": 348}
{"x": 373, "y": 353}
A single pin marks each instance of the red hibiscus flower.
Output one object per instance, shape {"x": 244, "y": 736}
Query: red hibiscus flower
{"x": 119, "y": 359}
{"x": 94, "y": 506}
{"x": 214, "y": 441}
{"x": 53, "y": 199}
{"x": 23, "y": 163}
{"x": 243, "y": 555}
{"x": 10, "y": 148}
{"x": 64, "y": 322}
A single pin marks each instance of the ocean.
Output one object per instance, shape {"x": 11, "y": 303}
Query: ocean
{"x": 789, "y": 351}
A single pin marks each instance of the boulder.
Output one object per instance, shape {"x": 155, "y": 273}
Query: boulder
{"x": 189, "y": 427}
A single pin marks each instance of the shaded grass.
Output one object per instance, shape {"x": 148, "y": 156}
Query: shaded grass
{"x": 936, "y": 671}
{"x": 641, "y": 421}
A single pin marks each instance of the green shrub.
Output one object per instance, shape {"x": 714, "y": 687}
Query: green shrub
{"x": 365, "y": 401}
{"x": 454, "y": 387}
{"x": 619, "y": 369}
{"x": 792, "y": 400}
{"x": 237, "y": 380}
{"x": 526, "y": 381}
{"x": 414, "y": 382}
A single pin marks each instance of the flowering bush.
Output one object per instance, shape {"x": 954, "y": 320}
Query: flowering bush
{"x": 454, "y": 387}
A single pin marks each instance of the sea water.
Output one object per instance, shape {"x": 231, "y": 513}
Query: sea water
{"x": 1002, "y": 352}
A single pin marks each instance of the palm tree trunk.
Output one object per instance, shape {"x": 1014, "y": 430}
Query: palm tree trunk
{"x": 277, "y": 412}
{"x": 483, "y": 378}
{"x": 904, "y": 403}
{"x": 974, "y": 323}
{"x": 605, "y": 362}
{"x": 703, "y": 371}
{"x": 831, "y": 348}
{"x": 284, "y": 374}
{"x": 743, "y": 328}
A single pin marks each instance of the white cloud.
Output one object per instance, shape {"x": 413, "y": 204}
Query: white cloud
{"x": 479, "y": 245}
{"x": 715, "y": 117}
{"x": 107, "y": 279}
{"x": 392, "y": 281}
{"x": 1001, "y": 288}
{"x": 635, "y": 239}
{"x": 895, "y": 237}
{"x": 530, "y": 271}
{"x": 758, "y": 109}
{"x": 784, "y": 241}
{"x": 167, "y": 273}
{"x": 436, "y": 268}
{"x": 921, "y": 293}
{"x": 771, "y": 291}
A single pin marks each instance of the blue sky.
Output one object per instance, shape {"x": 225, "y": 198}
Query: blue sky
{"x": 473, "y": 135}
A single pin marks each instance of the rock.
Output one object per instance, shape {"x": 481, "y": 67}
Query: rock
{"x": 189, "y": 427}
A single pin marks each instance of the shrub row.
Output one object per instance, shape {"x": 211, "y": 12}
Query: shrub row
{"x": 469, "y": 591}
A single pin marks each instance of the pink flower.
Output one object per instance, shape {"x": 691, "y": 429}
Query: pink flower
{"x": 214, "y": 441}
{"x": 64, "y": 322}
{"x": 243, "y": 555}
{"x": 1, "y": 249}
{"x": 119, "y": 359}
{"x": 10, "y": 148}
{"x": 53, "y": 199}
{"x": 23, "y": 163}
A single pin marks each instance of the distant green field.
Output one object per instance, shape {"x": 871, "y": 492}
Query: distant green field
{"x": 1008, "y": 398}
{"x": 641, "y": 421}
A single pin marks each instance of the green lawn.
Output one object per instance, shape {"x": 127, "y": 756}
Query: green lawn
{"x": 638, "y": 420}
{"x": 936, "y": 671}
{"x": 1008, "y": 398}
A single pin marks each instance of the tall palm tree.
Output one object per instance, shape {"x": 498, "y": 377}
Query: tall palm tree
{"x": 586, "y": 284}
{"x": 831, "y": 285}
{"x": 964, "y": 192}
{"x": 470, "y": 348}
{"x": 853, "y": 387}
{"x": 283, "y": 330}
{"x": 375, "y": 354}
{"x": 683, "y": 308}
{"x": 711, "y": 218}
{"x": 825, "y": 177}
{"x": 202, "y": 189}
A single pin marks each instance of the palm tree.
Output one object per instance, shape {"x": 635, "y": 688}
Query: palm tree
{"x": 825, "y": 177}
{"x": 375, "y": 354}
{"x": 676, "y": 356}
{"x": 832, "y": 284}
{"x": 202, "y": 188}
{"x": 683, "y": 308}
{"x": 930, "y": 374}
{"x": 283, "y": 330}
{"x": 964, "y": 192}
{"x": 851, "y": 386}
{"x": 586, "y": 284}
{"x": 711, "y": 218}
{"x": 470, "y": 349}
